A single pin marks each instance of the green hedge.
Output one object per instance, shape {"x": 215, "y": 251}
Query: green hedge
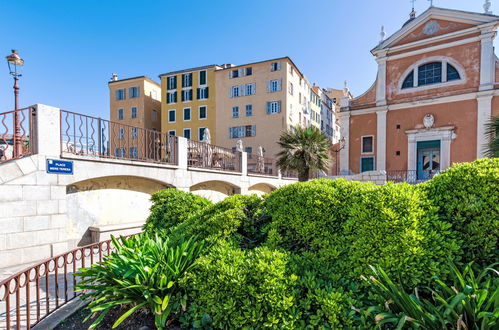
{"x": 171, "y": 207}
{"x": 233, "y": 288}
{"x": 467, "y": 196}
{"x": 237, "y": 217}
{"x": 346, "y": 226}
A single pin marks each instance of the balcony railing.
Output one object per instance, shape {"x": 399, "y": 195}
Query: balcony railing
{"x": 90, "y": 136}
{"x": 412, "y": 177}
{"x": 31, "y": 295}
{"x": 204, "y": 155}
{"x": 17, "y": 134}
{"x": 261, "y": 165}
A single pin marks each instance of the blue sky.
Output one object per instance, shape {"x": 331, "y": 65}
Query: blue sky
{"x": 72, "y": 47}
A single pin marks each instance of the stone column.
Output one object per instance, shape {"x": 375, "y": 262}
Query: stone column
{"x": 411, "y": 152}
{"x": 48, "y": 130}
{"x": 381, "y": 140}
{"x": 381, "y": 81}
{"x": 445, "y": 150}
{"x": 484, "y": 113}
{"x": 487, "y": 60}
{"x": 345, "y": 133}
{"x": 182, "y": 153}
{"x": 244, "y": 163}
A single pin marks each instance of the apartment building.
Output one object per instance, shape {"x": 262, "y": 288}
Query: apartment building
{"x": 335, "y": 96}
{"x": 135, "y": 101}
{"x": 189, "y": 102}
{"x": 256, "y": 102}
{"x": 327, "y": 115}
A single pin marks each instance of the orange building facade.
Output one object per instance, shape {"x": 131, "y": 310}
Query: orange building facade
{"x": 436, "y": 88}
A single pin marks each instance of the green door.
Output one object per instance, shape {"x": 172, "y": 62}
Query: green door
{"x": 366, "y": 164}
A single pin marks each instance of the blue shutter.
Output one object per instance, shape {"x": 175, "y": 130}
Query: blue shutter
{"x": 231, "y": 93}
{"x": 268, "y": 85}
{"x": 279, "y": 106}
{"x": 268, "y": 107}
{"x": 253, "y": 130}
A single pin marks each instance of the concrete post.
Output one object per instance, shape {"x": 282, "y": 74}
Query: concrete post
{"x": 182, "y": 152}
{"x": 381, "y": 81}
{"x": 381, "y": 140}
{"x": 487, "y": 60}
{"x": 48, "y": 130}
{"x": 344, "y": 153}
{"x": 244, "y": 163}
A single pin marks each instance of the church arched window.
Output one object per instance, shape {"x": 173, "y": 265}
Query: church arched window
{"x": 438, "y": 71}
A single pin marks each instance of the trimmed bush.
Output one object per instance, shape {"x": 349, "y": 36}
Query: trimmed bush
{"x": 235, "y": 289}
{"x": 467, "y": 196}
{"x": 395, "y": 227}
{"x": 238, "y": 217}
{"x": 309, "y": 216}
{"x": 171, "y": 207}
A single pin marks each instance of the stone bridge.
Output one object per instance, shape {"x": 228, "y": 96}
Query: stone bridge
{"x": 43, "y": 214}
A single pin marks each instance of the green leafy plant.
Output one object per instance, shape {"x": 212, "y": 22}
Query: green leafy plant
{"x": 304, "y": 150}
{"x": 143, "y": 272}
{"x": 171, "y": 207}
{"x": 467, "y": 197}
{"x": 492, "y": 132}
{"x": 471, "y": 302}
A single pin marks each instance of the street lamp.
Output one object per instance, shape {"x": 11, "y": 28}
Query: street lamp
{"x": 14, "y": 61}
{"x": 336, "y": 151}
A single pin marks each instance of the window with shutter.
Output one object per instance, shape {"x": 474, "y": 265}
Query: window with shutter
{"x": 235, "y": 112}
{"x": 198, "y": 93}
{"x": 207, "y": 94}
{"x": 268, "y": 107}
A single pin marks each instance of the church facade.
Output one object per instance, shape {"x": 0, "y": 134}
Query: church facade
{"x": 436, "y": 88}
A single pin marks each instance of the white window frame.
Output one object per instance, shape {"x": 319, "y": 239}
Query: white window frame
{"x": 132, "y": 112}
{"x": 185, "y": 91}
{"x": 202, "y": 93}
{"x": 444, "y": 60}
{"x": 175, "y": 111}
{"x": 246, "y": 110}
{"x": 250, "y": 89}
{"x": 135, "y": 133}
{"x": 170, "y": 97}
{"x": 190, "y": 114}
{"x": 233, "y": 90}
{"x": 206, "y": 112}
{"x": 118, "y": 91}
{"x": 169, "y": 82}
{"x": 199, "y": 132}
{"x": 235, "y": 111}
{"x": 131, "y": 95}
{"x": 362, "y": 145}
{"x": 121, "y": 134}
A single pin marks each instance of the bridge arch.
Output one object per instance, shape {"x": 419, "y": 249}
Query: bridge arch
{"x": 261, "y": 188}
{"x": 215, "y": 190}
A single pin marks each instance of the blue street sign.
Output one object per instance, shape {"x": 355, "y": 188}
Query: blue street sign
{"x": 56, "y": 166}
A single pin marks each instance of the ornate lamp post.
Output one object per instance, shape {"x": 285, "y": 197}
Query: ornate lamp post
{"x": 336, "y": 151}
{"x": 14, "y": 61}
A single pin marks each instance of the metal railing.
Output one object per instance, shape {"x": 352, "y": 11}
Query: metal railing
{"x": 261, "y": 165}
{"x": 290, "y": 174}
{"x": 17, "y": 134}
{"x": 29, "y": 296}
{"x": 412, "y": 177}
{"x": 204, "y": 155}
{"x": 91, "y": 136}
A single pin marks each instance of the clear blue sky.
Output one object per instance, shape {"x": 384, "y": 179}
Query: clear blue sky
{"x": 72, "y": 47}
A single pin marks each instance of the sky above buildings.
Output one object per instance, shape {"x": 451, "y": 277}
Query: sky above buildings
{"x": 71, "y": 48}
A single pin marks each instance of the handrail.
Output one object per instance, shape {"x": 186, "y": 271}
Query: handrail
{"x": 261, "y": 165}
{"x": 203, "y": 155}
{"x": 55, "y": 276}
{"x": 17, "y": 134}
{"x": 92, "y": 136}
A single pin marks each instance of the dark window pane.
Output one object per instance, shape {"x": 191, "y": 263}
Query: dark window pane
{"x": 409, "y": 81}
{"x": 367, "y": 144}
{"x": 430, "y": 73}
{"x": 452, "y": 73}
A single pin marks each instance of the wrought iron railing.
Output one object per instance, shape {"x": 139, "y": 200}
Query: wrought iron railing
{"x": 29, "y": 296}
{"x": 412, "y": 176}
{"x": 17, "y": 134}
{"x": 290, "y": 174}
{"x": 261, "y": 165}
{"x": 204, "y": 155}
{"x": 91, "y": 136}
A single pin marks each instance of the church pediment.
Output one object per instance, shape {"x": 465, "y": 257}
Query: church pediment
{"x": 435, "y": 22}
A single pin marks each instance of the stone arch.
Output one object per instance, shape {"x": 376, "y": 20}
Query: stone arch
{"x": 261, "y": 188}
{"x": 215, "y": 190}
{"x": 108, "y": 200}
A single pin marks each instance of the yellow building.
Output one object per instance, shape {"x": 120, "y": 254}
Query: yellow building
{"x": 189, "y": 102}
{"x": 256, "y": 102}
{"x": 135, "y": 101}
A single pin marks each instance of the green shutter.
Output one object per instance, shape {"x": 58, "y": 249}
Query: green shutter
{"x": 367, "y": 164}
{"x": 183, "y": 80}
{"x": 268, "y": 107}
{"x": 207, "y": 89}
{"x": 198, "y": 92}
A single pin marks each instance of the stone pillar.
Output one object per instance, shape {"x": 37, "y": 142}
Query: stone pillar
{"x": 244, "y": 163}
{"x": 484, "y": 113}
{"x": 381, "y": 140}
{"x": 445, "y": 150}
{"x": 412, "y": 152}
{"x": 381, "y": 81}
{"x": 487, "y": 60}
{"x": 345, "y": 133}
{"x": 182, "y": 152}
{"x": 48, "y": 130}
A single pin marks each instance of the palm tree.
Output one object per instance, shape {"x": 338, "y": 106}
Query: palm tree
{"x": 303, "y": 150}
{"x": 492, "y": 148}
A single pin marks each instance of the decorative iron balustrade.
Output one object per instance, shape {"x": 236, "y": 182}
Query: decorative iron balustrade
{"x": 412, "y": 177}
{"x": 261, "y": 165}
{"x": 31, "y": 295}
{"x": 204, "y": 155}
{"x": 91, "y": 136}
{"x": 17, "y": 134}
